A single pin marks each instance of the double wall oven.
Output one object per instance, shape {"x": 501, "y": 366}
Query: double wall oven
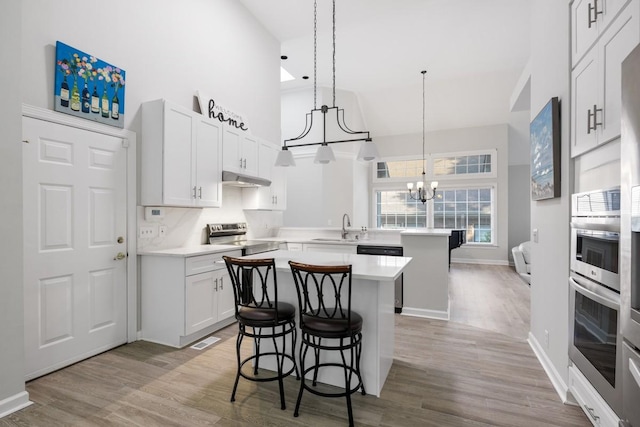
{"x": 596, "y": 341}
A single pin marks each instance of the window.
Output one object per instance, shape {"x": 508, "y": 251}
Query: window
{"x": 461, "y": 165}
{"x": 466, "y": 208}
{"x": 395, "y": 209}
{"x": 465, "y": 198}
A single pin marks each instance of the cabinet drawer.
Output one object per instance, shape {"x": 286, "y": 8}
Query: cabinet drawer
{"x": 203, "y": 263}
{"x": 593, "y": 405}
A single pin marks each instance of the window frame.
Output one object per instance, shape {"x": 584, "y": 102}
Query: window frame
{"x": 445, "y": 182}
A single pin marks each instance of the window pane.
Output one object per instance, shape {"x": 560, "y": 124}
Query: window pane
{"x": 462, "y": 209}
{"x": 461, "y": 165}
{"x": 397, "y": 210}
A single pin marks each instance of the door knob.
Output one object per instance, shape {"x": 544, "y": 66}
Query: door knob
{"x": 120, "y": 256}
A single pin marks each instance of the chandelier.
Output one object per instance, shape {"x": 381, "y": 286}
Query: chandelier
{"x": 332, "y": 128}
{"x": 422, "y": 193}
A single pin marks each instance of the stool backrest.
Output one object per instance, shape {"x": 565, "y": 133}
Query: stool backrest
{"x": 254, "y": 282}
{"x": 323, "y": 290}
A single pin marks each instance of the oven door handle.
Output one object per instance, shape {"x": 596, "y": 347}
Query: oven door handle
{"x": 635, "y": 371}
{"x": 600, "y": 299}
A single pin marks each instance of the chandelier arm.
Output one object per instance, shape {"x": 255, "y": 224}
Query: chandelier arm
{"x": 307, "y": 129}
{"x": 343, "y": 126}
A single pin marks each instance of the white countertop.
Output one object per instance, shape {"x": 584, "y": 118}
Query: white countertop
{"x": 192, "y": 250}
{"x": 366, "y": 267}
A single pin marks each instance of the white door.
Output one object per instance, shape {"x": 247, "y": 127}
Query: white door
{"x": 75, "y": 289}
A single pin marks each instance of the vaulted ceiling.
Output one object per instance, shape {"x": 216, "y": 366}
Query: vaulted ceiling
{"x": 474, "y": 51}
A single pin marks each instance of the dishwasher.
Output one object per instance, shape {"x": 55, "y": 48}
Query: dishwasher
{"x": 388, "y": 251}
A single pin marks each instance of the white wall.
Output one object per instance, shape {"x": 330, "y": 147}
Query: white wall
{"x": 168, "y": 51}
{"x": 468, "y": 139}
{"x": 550, "y": 267}
{"x": 519, "y": 181}
{"x": 12, "y": 390}
{"x": 319, "y": 195}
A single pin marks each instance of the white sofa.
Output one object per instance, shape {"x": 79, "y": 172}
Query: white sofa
{"x": 522, "y": 260}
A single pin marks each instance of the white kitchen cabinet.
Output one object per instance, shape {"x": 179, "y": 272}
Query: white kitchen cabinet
{"x": 273, "y": 197}
{"x": 336, "y": 249}
{"x": 596, "y": 93}
{"x": 185, "y": 298}
{"x": 589, "y": 20}
{"x": 240, "y": 151}
{"x": 181, "y": 162}
{"x": 593, "y": 405}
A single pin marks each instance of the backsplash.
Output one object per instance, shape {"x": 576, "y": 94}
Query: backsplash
{"x": 187, "y": 226}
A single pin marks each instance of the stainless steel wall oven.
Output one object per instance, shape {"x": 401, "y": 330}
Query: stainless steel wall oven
{"x": 596, "y": 341}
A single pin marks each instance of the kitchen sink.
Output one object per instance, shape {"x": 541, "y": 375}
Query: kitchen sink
{"x": 322, "y": 239}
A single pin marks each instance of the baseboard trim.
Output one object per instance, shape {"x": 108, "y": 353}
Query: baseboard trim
{"x": 429, "y": 314}
{"x": 479, "y": 261}
{"x": 14, "y": 403}
{"x": 556, "y": 380}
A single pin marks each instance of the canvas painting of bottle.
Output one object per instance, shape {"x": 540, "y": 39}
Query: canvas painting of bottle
{"x": 88, "y": 87}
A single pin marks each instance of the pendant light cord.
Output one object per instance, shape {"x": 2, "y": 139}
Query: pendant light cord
{"x": 424, "y": 72}
{"x": 315, "y": 54}
{"x": 334, "y": 53}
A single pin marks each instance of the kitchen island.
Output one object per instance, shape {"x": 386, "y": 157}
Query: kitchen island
{"x": 372, "y": 297}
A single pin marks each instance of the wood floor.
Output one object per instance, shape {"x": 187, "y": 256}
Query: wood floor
{"x": 475, "y": 370}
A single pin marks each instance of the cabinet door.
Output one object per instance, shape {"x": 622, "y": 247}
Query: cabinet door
{"x": 177, "y": 177}
{"x": 200, "y": 301}
{"x": 267, "y": 153}
{"x": 208, "y": 163}
{"x": 589, "y": 20}
{"x": 583, "y": 33}
{"x": 616, "y": 43}
{"x": 249, "y": 154}
{"x": 279, "y": 188}
{"x": 584, "y": 96}
{"x": 336, "y": 249}
{"x": 226, "y": 299}
{"x": 231, "y": 146}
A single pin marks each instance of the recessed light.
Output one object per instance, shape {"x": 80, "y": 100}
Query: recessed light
{"x": 283, "y": 57}
{"x": 305, "y": 77}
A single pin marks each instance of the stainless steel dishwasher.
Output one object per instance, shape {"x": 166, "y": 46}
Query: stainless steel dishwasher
{"x": 388, "y": 251}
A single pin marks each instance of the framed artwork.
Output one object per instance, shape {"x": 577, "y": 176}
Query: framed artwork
{"x": 88, "y": 87}
{"x": 545, "y": 152}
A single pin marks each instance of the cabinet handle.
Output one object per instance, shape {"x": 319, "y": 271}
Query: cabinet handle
{"x": 240, "y": 162}
{"x": 592, "y": 413}
{"x": 194, "y": 192}
{"x": 200, "y": 192}
{"x": 216, "y": 285}
{"x": 593, "y": 115}
{"x": 593, "y": 12}
{"x": 245, "y": 163}
{"x": 221, "y": 284}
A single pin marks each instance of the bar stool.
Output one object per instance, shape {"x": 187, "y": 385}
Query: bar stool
{"x": 328, "y": 324}
{"x": 261, "y": 316}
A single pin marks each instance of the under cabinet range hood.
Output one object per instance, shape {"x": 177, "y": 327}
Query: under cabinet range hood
{"x": 240, "y": 180}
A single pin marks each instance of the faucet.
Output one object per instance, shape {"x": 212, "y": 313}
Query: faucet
{"x": 344, "y": 230}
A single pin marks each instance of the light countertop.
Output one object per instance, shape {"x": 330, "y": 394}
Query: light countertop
{"x": 192, "y": 250}
{"x": 426, "y": 232}
{"x": 364, "y": 267}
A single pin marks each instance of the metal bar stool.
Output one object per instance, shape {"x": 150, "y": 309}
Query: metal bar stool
{"x": 328, "y": 324}
{"x": 261, "y": 316}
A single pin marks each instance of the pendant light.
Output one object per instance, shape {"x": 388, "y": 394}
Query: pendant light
{"x": 332, "y": 128}
{"x": 421, "y": 192}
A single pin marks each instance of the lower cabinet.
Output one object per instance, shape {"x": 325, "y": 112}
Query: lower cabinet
{"x": 185, "y": 298}
{"x": 336, "y": 249}
{"x": 593, "y": 405}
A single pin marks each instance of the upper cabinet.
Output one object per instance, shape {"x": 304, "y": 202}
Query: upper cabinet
{"x": 595, "y": 81}
{"x": 181, "y": 162}
{"x": 590, "y": 19}
{"x": 273, "y": 197}
{"x": 240, "y": 151}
